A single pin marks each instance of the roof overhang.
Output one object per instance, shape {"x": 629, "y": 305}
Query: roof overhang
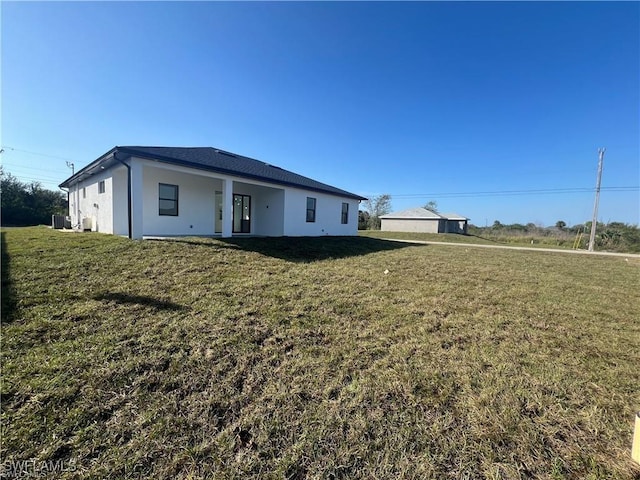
{"x": 395, "y": 217}
{"x": 108, "y": 160}
{"x": 196, "y": 166}
{"x": 387, "y": 217}
{"x": 100, "y": 164}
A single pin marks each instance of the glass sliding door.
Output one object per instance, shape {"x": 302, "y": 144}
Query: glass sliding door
{"x": 241, "y": 213}
{"x": 218, "y": 212}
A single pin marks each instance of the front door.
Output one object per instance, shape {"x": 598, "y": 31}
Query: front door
{"x": 241, "y": 213}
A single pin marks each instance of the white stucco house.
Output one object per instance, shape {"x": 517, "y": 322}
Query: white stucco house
{"x": 164, "y": 191}
{"x": 423, "y": 221}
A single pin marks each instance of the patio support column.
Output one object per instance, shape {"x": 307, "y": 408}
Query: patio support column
{"x": 137, "y": 193}
{"x": 227, "y": 208}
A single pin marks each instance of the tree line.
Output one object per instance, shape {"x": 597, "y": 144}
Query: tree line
{"x": 612, "y": 236}
{"x": 24, "y": 204}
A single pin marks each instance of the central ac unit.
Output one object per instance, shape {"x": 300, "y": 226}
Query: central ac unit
{"x": 87, "y": 223}
{"x": 57, "y": 221}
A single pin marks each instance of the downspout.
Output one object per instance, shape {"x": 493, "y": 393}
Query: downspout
{"x": 76, "y": 202}
{"x": 68, "y": 207}
{"x": 115, "y": 157}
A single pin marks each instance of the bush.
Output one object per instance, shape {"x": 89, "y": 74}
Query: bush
{"x": 28, "y": 204}
{"x": 613, "y": 236}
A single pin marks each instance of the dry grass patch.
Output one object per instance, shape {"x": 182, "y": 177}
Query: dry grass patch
{"x": 300, "y": 358}
{"x": 534, "y": 241}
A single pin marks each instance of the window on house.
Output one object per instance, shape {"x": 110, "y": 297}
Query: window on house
{"x": 101, "y": 186}
{"x": 84, "y": 192}
{"x": 345, "y": 213}
{"x": 311, "y": 209}
{"x": 168, "y": 199}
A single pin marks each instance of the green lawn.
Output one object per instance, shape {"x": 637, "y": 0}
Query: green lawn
{"x": 300, "y": 358}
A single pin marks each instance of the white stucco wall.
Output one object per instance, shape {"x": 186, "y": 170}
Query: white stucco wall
{"x": 73, "y": 204}
{"x": 85, "y": 201}
{"x": 275, "y": 210}
{"x": 328, "y": 214}
{"x": 409, "y": 225}
{"x": 270, "y": 213}
{"x": 119, "y": 187}
{"x": 196, "y": 201}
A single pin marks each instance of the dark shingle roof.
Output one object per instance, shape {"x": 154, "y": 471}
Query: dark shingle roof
{"x": 215, "y": 160}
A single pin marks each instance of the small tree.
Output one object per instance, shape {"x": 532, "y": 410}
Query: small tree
{"x": 363, "y": 220}
{"x": 431, "y": 205}
{"x": 560, "y": 224}
{"x": 376, "y": 207}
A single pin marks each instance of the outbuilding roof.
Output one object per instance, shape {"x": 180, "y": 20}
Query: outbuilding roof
{"x": 420, "y": 213}
{"x": 453, "y": 216}
{"x": 210, "y": 159}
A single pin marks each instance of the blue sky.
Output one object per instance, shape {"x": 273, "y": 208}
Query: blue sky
{"x": 421, "y": 100}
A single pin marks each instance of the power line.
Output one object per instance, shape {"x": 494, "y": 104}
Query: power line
{"x": 546, "y": 191}
{"x": 6, "y": 147}
{"x": 34, "y": 175}
{"x": 14, "y": 165}
{"x": 37, "y": 179}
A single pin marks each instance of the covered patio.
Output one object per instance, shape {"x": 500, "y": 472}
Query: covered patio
{"x": 169, "y": 200}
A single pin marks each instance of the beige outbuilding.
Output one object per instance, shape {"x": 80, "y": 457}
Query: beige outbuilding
{"x": 424, "y": 221}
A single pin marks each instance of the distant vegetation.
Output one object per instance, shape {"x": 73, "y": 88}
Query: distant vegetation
{"x": 28, "y": 203}
{"x": 431, "y": 206}
{"x": 612, "y": 236}
{"x": 374, "y": 208}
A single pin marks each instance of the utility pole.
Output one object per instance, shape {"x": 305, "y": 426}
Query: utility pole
{"x": 592, "y": 238}
{"x": 76, "y": 197}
